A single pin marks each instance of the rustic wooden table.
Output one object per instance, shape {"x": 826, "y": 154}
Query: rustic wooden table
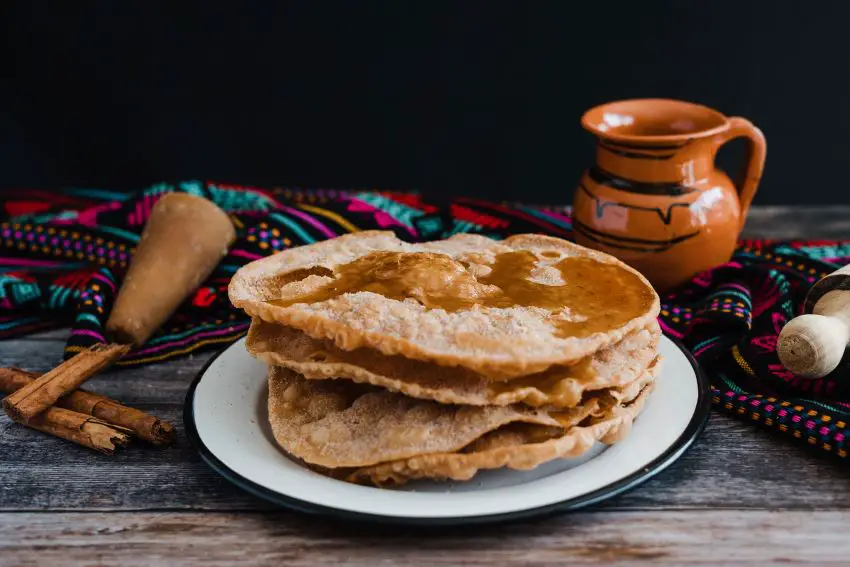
{"x": 739, "y": 496}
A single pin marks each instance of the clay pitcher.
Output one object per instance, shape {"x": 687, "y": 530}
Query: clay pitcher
{"x": 654, "y": 197}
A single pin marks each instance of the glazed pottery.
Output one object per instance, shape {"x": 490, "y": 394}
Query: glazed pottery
{"x": 654, "y": 198}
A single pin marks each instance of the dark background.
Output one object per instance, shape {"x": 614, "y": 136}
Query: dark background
{"x": 473, "y": 97}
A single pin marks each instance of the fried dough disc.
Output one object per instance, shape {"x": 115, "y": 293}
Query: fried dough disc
{"x": 338, "y": 423}
{"x": 515, "y": 446}
{"x": 503, "y": 309}
{"x": 559, "y": 386}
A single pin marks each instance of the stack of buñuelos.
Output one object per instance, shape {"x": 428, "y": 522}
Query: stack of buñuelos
{"x": 391, "y": 361}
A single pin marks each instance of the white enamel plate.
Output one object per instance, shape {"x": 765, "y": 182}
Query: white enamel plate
{"x": 225, "y": 417}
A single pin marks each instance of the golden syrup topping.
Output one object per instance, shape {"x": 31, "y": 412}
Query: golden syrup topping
{"x": 597, "y": 297}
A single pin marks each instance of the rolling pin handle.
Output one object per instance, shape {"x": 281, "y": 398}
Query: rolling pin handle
{"x": 813, "y": 345}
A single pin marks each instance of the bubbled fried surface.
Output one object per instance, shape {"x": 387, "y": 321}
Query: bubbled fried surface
{"x": 343, "y": 424}
{"x": 516, "y": 448}
{"x": 339, "y": 424}
{"x": 498, "y": 342}
{"x": 559, "y": 386}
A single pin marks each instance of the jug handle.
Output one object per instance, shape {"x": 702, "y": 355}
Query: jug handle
{"x": 748, "y": 180}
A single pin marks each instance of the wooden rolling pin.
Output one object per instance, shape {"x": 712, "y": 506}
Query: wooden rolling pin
{"x": 183, "y": 241}
{"x": 813, "y": 344}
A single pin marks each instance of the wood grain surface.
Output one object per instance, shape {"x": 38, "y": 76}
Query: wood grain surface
{"x": 740, "y": 496}
{"x": 698, "y": 537}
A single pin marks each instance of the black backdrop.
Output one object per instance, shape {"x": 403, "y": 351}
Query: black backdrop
{"x": 481, "y": 98}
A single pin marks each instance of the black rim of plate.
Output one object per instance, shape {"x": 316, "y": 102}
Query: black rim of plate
{"x": 676, "y": 450}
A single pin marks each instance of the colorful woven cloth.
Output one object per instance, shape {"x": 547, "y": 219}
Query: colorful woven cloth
{"x": 63, "y": 254}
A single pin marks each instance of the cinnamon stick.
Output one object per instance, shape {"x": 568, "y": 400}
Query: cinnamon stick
{"x": 143, "y": 425}
{"x": 81, "y": 429}
{"x": 42, "y": 393}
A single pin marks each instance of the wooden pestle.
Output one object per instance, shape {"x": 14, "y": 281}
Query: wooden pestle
{"x": 813, "y": 344}
{"x": 184, "y": 239}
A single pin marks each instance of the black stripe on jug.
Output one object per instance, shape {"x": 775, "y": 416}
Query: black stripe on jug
{"x": 643, "y": 146}
{"x": 626, "y": 243}
{"x": 643, "y": 187}
{"x": 635, "y": 155}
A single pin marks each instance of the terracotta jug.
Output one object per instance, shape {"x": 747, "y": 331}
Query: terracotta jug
{"x": 654, "y": 198}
